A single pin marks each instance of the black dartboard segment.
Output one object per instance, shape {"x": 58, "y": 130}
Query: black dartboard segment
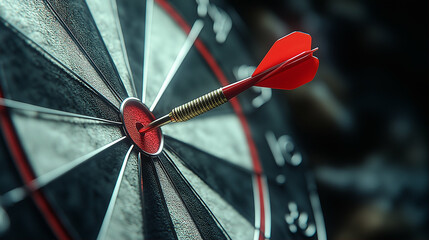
{"x": 203, "y": 219}
{"x": 81, "y": 196}
{"x": 231, "y": 182}
{"x": 76, "y": 18}
{"x": 32, "y": 78}
{"x": 132, "y": 18}
{"x": 10, "y": 179}
{"x": 158, "y": 224}
{"x": 34, "y": 224}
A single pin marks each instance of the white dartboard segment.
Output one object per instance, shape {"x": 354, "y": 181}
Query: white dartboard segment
{"x": 53, "y": 141}
{"x": 166, "y": 40}
{"x": 127, "y": 220}
{"x": 37, "y": 22}
{"x": 106, "y": 18}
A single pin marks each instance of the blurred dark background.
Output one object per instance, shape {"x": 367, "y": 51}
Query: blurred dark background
{"x": 363, "y": 122}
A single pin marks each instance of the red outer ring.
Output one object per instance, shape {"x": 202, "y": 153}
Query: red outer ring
{"x": 257, "y": 168}
{"x": 27, "y": 174}
{"x": 134, "y": 111}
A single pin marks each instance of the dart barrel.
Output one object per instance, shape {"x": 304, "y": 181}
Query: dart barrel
{"x": 198, "y": 106}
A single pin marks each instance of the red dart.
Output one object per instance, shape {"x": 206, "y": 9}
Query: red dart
{"x": 287, "y": 65}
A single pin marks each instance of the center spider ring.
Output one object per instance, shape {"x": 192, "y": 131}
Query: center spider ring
{"x": 135, "y": 115}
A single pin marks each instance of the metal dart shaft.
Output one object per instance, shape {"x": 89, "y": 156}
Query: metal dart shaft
{"x": 156, "y": 124}
{"x": 189, "y": 110}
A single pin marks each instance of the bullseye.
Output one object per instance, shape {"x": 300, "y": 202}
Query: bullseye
{"x": 136, "y": 115}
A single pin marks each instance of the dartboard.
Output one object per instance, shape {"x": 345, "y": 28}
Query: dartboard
{"x": 71, "y": 168}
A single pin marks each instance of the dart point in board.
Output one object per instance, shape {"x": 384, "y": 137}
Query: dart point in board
{"x": 134, "y": 116}
{"x": 289, "y": 64}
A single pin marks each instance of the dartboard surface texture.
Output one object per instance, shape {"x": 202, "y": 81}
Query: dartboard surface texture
{"x": 70, "y": 169}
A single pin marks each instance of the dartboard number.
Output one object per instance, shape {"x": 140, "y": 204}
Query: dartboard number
{"x": 283, "y": 150}
{"x": 298, "y": 221}
{"x": 222, "y": 23}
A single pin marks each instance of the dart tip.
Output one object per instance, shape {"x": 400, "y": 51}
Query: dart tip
{"x": 140, "y": 127}
{"x": 153, "y": 125}
{"x": 144, "y": 130}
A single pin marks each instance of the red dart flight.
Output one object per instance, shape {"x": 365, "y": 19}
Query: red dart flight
{"x": 289, "y": 64}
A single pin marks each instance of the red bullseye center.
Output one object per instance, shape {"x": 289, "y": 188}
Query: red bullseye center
{"x": 136, "y": 115}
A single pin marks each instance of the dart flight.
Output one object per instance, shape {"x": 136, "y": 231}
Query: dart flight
{"x": 287, "y": 65}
